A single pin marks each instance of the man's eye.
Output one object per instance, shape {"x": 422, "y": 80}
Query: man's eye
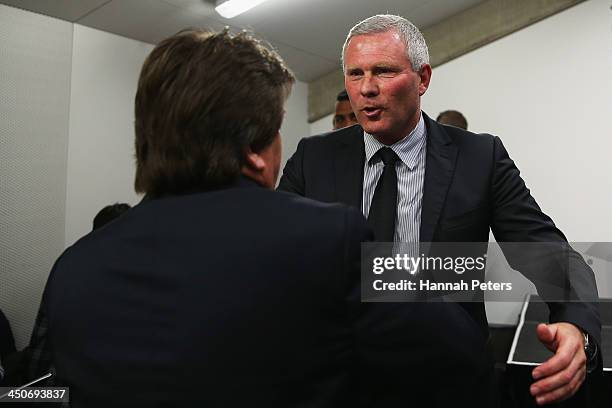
{"x": 385, "y": 72}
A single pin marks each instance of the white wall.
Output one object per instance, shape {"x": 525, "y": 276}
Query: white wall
{"x": 295, "y": 122}
{"x": 105, "y": 69}
{"x": 35, "y": 65}
{"x": 547, "y": 92}
{"x": 325, "y": 124}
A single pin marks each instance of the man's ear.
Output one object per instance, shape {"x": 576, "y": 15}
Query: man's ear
{"x": 254, "y": 166}
{"x": 254, "y": 161}
{"x": 425, "y": 74}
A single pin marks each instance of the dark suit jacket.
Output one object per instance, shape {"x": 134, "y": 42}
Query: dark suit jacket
{"x": 230, "y": 298}
{"x": 239, "y": 297}
{"x": 470, "y": 185}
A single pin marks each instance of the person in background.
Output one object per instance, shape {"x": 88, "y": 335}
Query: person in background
{"x": 109, "y": 213}
{"x": 344, "y": 115}
{"x": 452, "y": 118}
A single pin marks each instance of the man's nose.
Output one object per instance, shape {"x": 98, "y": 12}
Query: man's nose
{"x": 369, "y": 86}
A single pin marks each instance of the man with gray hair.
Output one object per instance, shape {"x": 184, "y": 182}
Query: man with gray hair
{"x": 419, "y": 181}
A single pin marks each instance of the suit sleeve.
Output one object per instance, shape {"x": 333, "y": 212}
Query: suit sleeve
{"x": 357, "y": 232}
{"x": 516, "y": 216}
{"x": 534, "y": 246}
{"x": 292, "y": 179}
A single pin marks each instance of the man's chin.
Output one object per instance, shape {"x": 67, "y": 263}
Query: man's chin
{"x": 375, "y": 129}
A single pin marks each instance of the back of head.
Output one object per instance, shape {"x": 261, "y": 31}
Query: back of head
{"x": 416, "y": 47}
{"x": 109, "y": 213}
{"x": 453, "y": 118}
{"x": 203, "y": 100}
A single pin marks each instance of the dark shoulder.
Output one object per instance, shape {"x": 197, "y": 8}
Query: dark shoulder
{"x": 290, "y": 210}
{"x": 482, "y": 144}
{"x": 462, "y": 137}
{"x": 342, "y": 136}
{"x": 329, "y": 221}
{"x": 300, "y": 205}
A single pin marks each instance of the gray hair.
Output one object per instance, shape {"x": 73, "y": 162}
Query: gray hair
{"x": 416, "y": 48}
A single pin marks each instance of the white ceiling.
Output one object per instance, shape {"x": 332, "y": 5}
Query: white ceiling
{"x": 307, "y": 33}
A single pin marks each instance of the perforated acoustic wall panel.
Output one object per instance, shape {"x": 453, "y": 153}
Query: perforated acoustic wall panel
{"x": 35, "y": 65}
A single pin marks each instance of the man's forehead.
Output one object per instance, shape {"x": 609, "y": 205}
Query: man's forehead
{"x": 388, "y": 33}
{"x": 369, "y": 38}
{"x": 383, "y": 45}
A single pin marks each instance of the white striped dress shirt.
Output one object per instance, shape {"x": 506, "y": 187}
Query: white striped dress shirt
{"x": 410, "y": 175}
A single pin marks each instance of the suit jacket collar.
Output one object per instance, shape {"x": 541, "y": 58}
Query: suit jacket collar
{"x": 348, "y": 165}
{"x": 439, "y": 169}
{"x": 241, "y": 182}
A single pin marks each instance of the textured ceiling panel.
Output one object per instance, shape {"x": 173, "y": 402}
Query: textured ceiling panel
{"x": 308, "y": 33}
{"x": 69, "y": 10}
{"x": 146, "y": 20}
{"x": 305, "y": 66}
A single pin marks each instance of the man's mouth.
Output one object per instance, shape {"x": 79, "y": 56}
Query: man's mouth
{"x": 372, "y": 111}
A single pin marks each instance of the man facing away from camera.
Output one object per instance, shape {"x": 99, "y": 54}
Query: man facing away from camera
{"x": 419, "y": 181}
{"x": 215, "y": 290}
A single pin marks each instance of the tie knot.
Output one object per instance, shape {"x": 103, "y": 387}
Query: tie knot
{"x": 388, "y": 156}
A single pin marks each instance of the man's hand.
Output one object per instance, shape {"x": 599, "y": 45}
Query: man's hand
{"x": 560, "y": 376}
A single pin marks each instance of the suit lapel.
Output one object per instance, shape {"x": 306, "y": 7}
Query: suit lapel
{"x": 348, "y": 167}
{"x": 439, "y": 169}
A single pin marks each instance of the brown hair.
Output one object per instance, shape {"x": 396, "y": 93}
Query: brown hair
{"x": 203, "y": 100}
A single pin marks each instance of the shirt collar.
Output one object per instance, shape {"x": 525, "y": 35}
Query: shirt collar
{"x": 408, "y": 149}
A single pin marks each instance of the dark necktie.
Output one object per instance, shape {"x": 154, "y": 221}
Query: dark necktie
{"x": 381, "y": 217}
